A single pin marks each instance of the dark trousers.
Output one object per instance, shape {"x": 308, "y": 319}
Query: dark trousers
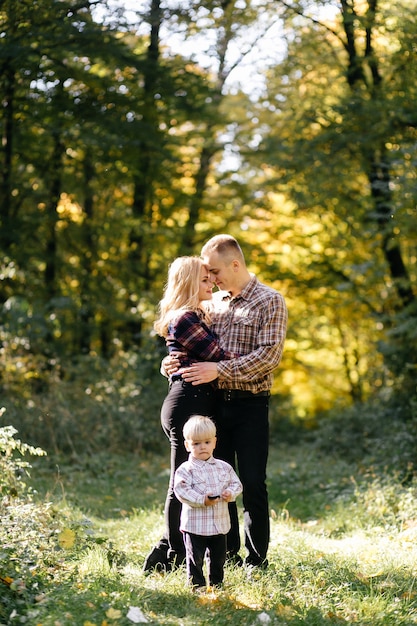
{"x": 197, "y": 547}
{"x": 242, "y": 441}
{"x": 182, "y": 401}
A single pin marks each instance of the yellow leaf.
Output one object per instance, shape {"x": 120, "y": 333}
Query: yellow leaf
{"x": 113, "y": 613}
{"x": 87, "y": 623}
{"x": 66, "y": 538}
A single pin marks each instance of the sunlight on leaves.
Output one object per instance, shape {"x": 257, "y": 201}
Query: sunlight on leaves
{"x": 210, "y": 597}
{"x": 365, "y": 577}
{"x": 66, "y": 538}
{"x": 113, "y": 613}
{"x": 284, "y": 611}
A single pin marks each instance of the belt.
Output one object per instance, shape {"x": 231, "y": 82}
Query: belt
{"x": 179, "y": 379}
{"x": 231, "y": 394}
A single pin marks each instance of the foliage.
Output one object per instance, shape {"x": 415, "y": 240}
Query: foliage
{"x": 129, "y": 138}
{"x": 91, "y": 404}
{"x": 383, "y": 431}
{"x": 331, "y": 145}
{"x": 12, "y": 467}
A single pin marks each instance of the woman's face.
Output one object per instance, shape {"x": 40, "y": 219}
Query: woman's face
{"x": 206, "y": 285}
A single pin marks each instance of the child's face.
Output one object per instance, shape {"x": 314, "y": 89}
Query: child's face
{"x": 201, "y": 448}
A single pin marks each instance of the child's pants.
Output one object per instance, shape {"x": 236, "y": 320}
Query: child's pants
{"x": 196, "y": 547}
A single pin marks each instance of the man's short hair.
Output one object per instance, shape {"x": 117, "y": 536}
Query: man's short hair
{"x": 225, "y": 246}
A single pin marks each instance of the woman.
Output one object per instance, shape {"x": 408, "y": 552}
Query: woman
{"x": 184, "y": 323}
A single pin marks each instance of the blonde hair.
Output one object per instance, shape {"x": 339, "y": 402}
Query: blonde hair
{"x": 181, "y": 292}
{"x": 199, "y": 427}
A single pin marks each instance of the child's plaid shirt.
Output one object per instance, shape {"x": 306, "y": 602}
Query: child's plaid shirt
{"x": 194, "y": 480}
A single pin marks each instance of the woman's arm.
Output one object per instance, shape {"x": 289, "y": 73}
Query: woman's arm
{"x": 198, "y": 340}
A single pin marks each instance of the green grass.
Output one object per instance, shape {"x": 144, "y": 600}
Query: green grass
{"x": 343, "y": 548}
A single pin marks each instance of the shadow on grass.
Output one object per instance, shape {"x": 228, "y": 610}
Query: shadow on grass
{"x": 94, "y": 600}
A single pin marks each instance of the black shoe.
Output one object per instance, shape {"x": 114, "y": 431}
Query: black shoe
{"x": 156, "y": 561}
{"x": 234, "y": 559}
{"x": 256, "y": 564}
{"x": 174, "y": 560}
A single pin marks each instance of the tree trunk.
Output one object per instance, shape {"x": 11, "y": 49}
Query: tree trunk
{"x": 376, "y": 156}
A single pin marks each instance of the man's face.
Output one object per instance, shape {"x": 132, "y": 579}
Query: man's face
{"x": 222, "y": 273}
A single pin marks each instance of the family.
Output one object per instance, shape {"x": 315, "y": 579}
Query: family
{"x": 222, "y": 350}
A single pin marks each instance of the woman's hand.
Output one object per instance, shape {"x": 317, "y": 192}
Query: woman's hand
{"x": 171, "y": 364}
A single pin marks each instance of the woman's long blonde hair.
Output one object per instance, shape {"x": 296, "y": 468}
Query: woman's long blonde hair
{"x": 181, "y": 292}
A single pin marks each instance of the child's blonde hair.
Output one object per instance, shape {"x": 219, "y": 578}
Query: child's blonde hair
{"x": 181, "y": 292}
{"x": 199, "y": 427}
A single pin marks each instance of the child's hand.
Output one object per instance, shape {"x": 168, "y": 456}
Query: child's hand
{"x": 226, "y": 495}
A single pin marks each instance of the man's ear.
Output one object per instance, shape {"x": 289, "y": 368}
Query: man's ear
{"x": 187, "y": 447}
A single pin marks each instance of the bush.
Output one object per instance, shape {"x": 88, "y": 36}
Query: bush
{"x": 94, "y": 405}
{"x": 13, "y": 468}
{"x": 19, "y": 532}
{"x": 375, "y": 433}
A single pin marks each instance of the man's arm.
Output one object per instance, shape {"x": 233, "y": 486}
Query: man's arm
{"x": 256, "y": 364}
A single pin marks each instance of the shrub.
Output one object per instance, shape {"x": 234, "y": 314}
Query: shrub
{"x": 95, "y": 405}
{"x": 373, "y": 432}
{"x": 13, "y": 468}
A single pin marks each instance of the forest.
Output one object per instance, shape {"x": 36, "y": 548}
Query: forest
{"x": 133, "y": 132}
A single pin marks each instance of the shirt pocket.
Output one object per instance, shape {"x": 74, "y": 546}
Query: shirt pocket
{"x": 246, "y": 330}
{"x": 223, "y": 479}
{"x": 199, "y": 486}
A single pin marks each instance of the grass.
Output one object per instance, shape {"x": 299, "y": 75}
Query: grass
{"x": 343, "y": 548}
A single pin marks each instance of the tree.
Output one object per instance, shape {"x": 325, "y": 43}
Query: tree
{"x": 335, "y": 143}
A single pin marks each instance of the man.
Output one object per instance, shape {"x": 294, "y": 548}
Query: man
{"x": 250, "y": 319}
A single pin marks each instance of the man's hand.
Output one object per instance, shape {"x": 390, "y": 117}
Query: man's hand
{"x": 200, "y": 373}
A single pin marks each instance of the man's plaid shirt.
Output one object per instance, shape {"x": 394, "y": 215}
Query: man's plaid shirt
{"x": 252, "y": 324}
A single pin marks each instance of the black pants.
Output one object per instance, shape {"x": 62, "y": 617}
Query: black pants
{"x": 243, "y": 440}
{"x": 182, "y": 401}
{"x": 197, "y": 547}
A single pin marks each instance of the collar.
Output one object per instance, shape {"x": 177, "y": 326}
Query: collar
{"x": 246, "y": 293}
{"x": 210, "y": 460}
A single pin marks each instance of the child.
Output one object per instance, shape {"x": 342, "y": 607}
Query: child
{"x": 204, "y": 485}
